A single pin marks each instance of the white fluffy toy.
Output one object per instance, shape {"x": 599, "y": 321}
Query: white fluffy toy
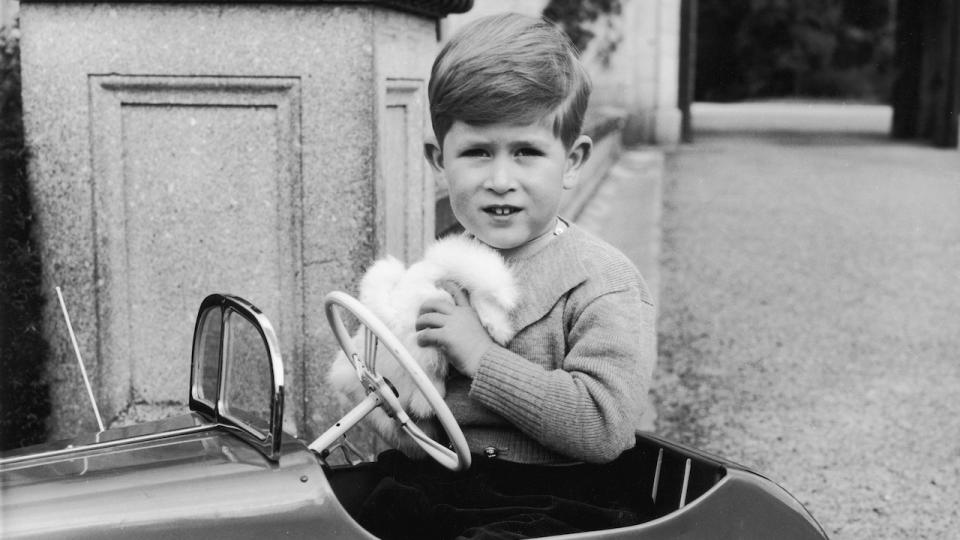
{"x": 395, "y": 293}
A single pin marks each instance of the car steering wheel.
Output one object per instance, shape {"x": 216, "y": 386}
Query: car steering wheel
{"x": 380, "y": 393}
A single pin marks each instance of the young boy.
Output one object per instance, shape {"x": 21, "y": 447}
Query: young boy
{"x": 507, "y": 100}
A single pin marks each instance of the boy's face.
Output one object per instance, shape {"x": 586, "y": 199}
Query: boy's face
{"x": 505, "y": 180}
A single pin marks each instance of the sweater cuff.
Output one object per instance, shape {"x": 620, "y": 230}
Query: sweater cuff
{"x": 512, "y": 386}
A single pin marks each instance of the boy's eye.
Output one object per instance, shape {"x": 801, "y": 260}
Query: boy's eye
{"x": 529, "y": 152}
{"x": 474, "y": 152}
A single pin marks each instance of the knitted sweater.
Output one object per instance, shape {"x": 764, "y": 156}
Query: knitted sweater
{"x": 572, "y": 382}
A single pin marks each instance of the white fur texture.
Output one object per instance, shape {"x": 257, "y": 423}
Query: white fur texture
{"x": 395, "y": 293}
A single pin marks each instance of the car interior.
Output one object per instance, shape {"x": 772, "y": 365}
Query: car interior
{"x": 652, "y": 480}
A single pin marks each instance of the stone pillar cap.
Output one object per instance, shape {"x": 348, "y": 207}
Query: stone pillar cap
{"x": 429, "y": 8}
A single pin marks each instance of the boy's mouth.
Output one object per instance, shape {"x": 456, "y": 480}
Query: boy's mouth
{"x": 501, "y": 210}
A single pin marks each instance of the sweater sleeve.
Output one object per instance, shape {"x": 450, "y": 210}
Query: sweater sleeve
{"x": 590, "y": 409}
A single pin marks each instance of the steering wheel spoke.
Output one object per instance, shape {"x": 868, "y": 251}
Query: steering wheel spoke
{"x": 370, "y": 344}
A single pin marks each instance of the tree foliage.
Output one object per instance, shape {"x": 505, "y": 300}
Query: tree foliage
{"x": 583, "y": 20}
{"x": 818, "y": 48}
{"x": 24, "y": 401}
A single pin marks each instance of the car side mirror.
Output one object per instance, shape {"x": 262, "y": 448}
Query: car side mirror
{"x": 236, "y": 375}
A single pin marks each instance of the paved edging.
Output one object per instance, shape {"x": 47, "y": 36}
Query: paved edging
{"x": 626, "y": 210}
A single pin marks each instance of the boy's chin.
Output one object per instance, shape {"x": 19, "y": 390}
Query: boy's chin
{"x": 506, "y": 241}
{"x": 499, "y": 243}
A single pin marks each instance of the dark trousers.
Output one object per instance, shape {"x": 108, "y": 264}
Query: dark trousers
{"x": 498, "y": 499}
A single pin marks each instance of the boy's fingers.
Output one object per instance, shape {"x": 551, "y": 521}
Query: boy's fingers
{"x": 423, "y": 338}
{"x": 428, "y": 320}
{"x": 461, "y": 296}
{"x": 435, "y": 305}
{"x": 427, "y": 338}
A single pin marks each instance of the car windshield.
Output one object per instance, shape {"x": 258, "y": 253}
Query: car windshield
{"x": 237, "y": 373}
{"x": 248, "y": 385}
{"x": 207, "y": 361}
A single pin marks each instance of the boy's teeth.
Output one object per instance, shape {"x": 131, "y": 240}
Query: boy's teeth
{"x": 501, "y": 211}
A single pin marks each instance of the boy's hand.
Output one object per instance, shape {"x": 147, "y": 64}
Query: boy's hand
{"x": 455, "y": 328}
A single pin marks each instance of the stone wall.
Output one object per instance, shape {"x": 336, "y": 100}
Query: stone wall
{"x": 642, "y": 75}
{"x": 266, "y": 150}
{"x": 8, "y": 12}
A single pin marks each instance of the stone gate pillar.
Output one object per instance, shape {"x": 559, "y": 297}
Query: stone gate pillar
{"x": 177, "y": 149}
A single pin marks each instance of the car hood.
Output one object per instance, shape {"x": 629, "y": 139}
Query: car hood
{"x": 180, "y": 478}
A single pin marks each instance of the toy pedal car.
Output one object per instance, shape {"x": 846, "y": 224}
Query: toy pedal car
{"x": 225, "y": 469}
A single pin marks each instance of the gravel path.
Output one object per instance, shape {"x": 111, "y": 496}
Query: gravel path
{"x": 810, "y": 312}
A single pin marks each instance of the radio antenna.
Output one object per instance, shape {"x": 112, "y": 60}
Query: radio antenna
{"x": 76, "y": 350}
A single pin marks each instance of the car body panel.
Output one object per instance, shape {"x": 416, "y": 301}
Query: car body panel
{"x": 207, "y": 483}
{"x": 739, "y": 504}
{"x": 221, "y": 471}
{"x": 213, "y": 484}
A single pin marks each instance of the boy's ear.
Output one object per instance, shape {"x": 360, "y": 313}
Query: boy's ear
{"x": 578, "y": 154}
{"x": 434, "y": 155}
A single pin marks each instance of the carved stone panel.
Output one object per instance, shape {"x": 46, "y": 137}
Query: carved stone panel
{"x": 188, "y": 148}
{"x": 196, "y": 190}
{"x": 406, "y": 223}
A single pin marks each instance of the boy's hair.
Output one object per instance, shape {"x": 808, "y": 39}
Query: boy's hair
{"x": 509, "y": 68}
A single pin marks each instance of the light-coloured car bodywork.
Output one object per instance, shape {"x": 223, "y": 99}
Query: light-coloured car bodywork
{"x": 221, "y": 471}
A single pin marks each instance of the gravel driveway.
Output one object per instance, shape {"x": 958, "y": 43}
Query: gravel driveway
{"x": 810, "y": 312}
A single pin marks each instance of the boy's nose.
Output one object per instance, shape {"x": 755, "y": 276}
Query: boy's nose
{"x": 500, "y": 178}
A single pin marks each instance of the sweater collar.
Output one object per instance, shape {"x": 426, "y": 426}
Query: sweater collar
{"x": 547, "y": 275}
